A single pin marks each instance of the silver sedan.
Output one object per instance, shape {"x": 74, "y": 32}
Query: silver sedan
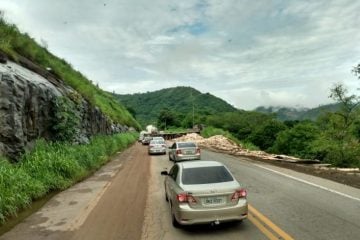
{"x": 156, "y": 147}
{"x": 180, "y": 151}
{"x": 204, "y": 192}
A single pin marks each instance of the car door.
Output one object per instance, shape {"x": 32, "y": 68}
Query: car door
{"x": 171, "y": 182}
{"x": 171, "y": 151}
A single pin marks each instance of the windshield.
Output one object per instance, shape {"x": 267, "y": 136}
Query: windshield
{"x": 206, "y": 175}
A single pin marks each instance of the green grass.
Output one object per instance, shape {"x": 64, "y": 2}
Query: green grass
{"x": 212, "y": 131}
{"x": 51, "y": 167}
{"x": 14, "y": 44}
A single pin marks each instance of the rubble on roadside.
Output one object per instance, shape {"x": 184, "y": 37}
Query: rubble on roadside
{"x": 222, "y": 143}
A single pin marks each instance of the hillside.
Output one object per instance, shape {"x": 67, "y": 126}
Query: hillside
{"x": 24, "y": 50}
{"x": 147, "y": 106}
{"x": 287, "y": 113}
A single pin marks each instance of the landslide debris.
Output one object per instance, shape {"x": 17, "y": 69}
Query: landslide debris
{"x": 348, "y": 176}
{"x": 222, "y": 143}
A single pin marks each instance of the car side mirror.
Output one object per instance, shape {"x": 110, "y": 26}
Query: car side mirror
{"x": 165, "y": 173}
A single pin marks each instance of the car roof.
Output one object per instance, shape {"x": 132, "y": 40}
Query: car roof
{"x": 200, "y": 163}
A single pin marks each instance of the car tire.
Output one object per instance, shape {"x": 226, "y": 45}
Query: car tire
{"x": 166, "y": 197}
{"x": 175, "y": 222}
{"x": 169, "y": 158}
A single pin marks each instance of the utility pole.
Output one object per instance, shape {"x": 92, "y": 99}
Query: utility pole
{"x": 193, "y": 110}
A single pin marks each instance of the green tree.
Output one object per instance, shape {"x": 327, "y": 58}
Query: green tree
{"x": 265, "y": 135}
{"x": 297, "y": 141}
{"x": 167, "y": 118}
{"x": 339, "y": 142}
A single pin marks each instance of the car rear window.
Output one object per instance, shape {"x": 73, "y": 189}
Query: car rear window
{"x": 186, "y": 145}
{"x": 157, "y": 142}
{"x": 205, "y": 175}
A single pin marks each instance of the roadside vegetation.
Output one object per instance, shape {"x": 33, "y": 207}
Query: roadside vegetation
{"x": 52, "y": 167}
{"x": 16, "y": 45}
{"x": 331, "y": 137}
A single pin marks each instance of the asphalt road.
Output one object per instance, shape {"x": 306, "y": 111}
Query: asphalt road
{"x": 283, "y": 205}
{"x": 125, "y": 200}
{"x": 108, "y": 205}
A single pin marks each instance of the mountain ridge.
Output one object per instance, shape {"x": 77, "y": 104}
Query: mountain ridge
{"x": 181, "y": 99}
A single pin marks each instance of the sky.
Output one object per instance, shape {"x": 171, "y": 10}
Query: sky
{"x": 249, "y": 53}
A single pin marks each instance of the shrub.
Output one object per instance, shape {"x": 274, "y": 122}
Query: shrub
{"x": 66, "y": 119}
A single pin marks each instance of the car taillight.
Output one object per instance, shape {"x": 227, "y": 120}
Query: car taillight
{"x": 198, "y": 150}
{"x": 178, "y": 151}
{"x": 240, "y": 193}
{"x": 185, "y": 198}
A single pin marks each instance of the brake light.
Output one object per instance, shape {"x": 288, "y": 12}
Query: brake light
{"x": 178, "y": 152}
{"x": 198, "y": 150}
{"x": 185, "y": 198}
{"x": 240, "y": 193}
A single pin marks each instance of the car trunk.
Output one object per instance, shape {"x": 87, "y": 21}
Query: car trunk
{"x": 212, "y": 195}
{"x": 188, "y": 151}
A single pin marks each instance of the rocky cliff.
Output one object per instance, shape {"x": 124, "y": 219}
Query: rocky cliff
{"x": 29, "y": 109}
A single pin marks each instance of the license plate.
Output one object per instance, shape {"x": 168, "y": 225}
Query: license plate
{"x": 213, "y": 200}
{"x": 188, "y": 152}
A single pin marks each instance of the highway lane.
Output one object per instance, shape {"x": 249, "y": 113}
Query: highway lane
{"x": 125, "y": 200}
{"x": 295, "y": 205}
{"x": 304, "y": 211}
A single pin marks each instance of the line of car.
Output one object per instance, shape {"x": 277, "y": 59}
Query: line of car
{"x": 199, "y": 192}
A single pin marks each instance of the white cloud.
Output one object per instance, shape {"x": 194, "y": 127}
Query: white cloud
{"x": 250, "y": 53}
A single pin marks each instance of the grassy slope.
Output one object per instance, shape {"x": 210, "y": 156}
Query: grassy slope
{"x": 15, "y": 44}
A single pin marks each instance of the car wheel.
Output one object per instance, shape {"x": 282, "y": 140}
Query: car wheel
{"x": 166, "y": 197}
{"x": 173, "y": 219}
{"x": 175, "y": 222}
{"x": 169, "y": 158}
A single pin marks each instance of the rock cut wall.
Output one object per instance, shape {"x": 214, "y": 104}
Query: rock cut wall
{"x": 27, "y": 110}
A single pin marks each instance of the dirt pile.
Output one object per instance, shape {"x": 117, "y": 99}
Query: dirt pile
{"x": 221, "y": 143}
{"x": 193, "y": 137}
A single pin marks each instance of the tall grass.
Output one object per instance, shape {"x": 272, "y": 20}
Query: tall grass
{"x": 15, "y": 44}
{"x": 53, "y": 166}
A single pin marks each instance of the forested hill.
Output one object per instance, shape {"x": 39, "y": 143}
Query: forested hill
{"x": 147, "y": 106}
{"x": 287, "y": 113}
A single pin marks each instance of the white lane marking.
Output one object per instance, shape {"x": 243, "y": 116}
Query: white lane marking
{"x": 310, "y": 183}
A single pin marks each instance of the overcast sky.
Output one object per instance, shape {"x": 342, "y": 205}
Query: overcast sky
{"x": 249, "y": 53}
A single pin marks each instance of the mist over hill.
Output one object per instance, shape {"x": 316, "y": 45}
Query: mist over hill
{"x": 291, "y": 113}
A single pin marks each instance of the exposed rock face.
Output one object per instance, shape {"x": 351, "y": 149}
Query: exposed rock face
{"x": 27, "y": 110}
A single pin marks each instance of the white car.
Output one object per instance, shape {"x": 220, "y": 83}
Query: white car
{"x": 157, "y": 147}
{"x": 204, "y": 192}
